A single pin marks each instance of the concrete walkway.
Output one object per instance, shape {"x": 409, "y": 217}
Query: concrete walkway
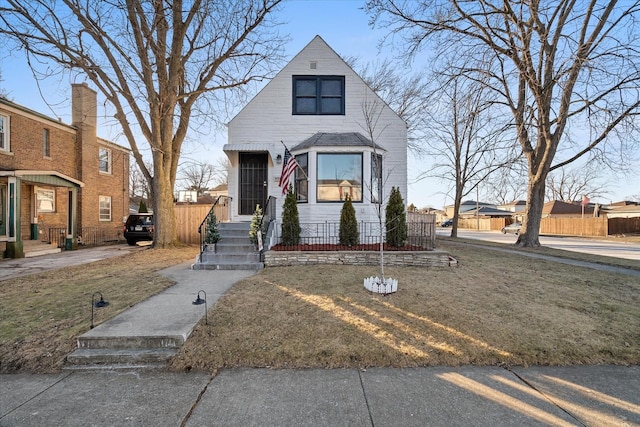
{"x": 466, "y": 396}
{"x": 437, "y": 396}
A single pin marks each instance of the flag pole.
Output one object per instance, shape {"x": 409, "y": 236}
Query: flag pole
{"x": 299, "y": 168}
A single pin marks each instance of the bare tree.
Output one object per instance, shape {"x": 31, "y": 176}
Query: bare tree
{"x": 138, "y": 185}
{"x": 402, "y": 91}
{"x": 568, "y": 72}
{"x": 466, "y": 137}
{"x": 198, "y": 176}
{"x": 223, "y": 166}
{"x": 507, "y": 184}
{"x": 570, "y": 185}
{"x": 158, "y": 64}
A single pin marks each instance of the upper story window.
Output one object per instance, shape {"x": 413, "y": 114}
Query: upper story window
{"x": 339, "y": 174}
{"x": 322, "y": 95}
{"x": 104, "y": 161}
{"x": 4, "y": 133}
{"x": 46, "y": 147}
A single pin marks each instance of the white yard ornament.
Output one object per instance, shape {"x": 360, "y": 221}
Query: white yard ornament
{"x": 375, "y": 284}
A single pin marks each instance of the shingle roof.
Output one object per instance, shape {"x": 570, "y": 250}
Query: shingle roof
{"x": 344, "y": 139}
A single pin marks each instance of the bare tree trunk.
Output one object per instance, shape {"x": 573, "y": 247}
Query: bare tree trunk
{"x": 529, "y": 234}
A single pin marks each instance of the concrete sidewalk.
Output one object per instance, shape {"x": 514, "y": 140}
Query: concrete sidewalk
{"x": 585, "y": 395}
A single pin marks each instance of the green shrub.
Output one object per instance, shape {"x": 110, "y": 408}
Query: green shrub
{"x": 290, "y": 220}
{"x": 254, "y": 227}
{"x": 211, "y": 230}
{"x": 349, "y": 234}
{"x": 396, "y": 219}
{"x": 143, "y": 207}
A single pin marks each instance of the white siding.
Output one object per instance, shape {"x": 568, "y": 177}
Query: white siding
{"x": 268, "y": 119}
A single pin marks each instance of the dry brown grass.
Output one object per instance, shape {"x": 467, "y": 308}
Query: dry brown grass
{"x": 41, "y": 315}
{"x": 494, "y": 308}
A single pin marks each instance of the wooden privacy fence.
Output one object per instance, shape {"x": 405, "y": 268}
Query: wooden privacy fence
{"x": 189, "y": 218}
{"x": 589, "y": 226}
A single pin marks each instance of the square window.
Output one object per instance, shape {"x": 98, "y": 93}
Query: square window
{"x": 104, "y": 161}
{"x": 45, "y": 200}
{"x": 339, "y": 174}
{"x": 105, "y": 208}
{"x": 318, "y": 95}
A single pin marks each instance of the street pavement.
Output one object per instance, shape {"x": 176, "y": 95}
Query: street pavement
{"x": 618, "y": 248}
{"x": 426, "y": 396}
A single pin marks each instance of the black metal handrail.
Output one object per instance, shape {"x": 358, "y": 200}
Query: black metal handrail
{"x": 268, "y": 215}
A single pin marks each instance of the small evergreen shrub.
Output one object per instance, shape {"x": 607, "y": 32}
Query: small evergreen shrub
{"x": 143, "y": 207}
{"x": 254, "y": 227}
{"x": 396, "y": 219}
{"x": 211, "y": 231}
{"x": 290, "y": 220}
{"x": 349, "y": 234}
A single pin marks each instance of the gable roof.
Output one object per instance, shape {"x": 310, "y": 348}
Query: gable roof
{"x": 316, "y": 43}
{"x": 341, "y": 139}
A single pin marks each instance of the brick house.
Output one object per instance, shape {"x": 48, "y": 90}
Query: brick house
{"x": 55, "y": 176}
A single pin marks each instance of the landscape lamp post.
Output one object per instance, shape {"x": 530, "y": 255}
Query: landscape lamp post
{"x": 97, "y": 304}
{"x": 200, "y": 301}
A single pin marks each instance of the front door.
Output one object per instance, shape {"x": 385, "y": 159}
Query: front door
{"x": 253, "y": 182}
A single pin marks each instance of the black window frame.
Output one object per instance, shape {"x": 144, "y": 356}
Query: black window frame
{"x": 318, "y": 95}
{"x": 301, "y": 178}
{"x": 359, "y": 154}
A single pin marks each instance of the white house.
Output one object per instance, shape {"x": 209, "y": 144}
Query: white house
{"x": 315, "y": 106}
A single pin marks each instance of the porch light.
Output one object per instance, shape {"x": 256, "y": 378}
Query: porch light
{"x": 97, "y": 304}
{"x": 200, "y": 301}
{"x": 279, "y": 158}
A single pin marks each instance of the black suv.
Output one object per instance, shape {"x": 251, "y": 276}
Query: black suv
{"x": 138, "y": 227}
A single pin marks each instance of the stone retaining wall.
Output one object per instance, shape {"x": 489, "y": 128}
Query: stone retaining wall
{"x": 435, "y": 258}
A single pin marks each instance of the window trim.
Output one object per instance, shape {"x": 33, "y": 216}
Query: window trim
{"x": 108, "y": 160}
{"x": 46, "y": 143}
{"x": 302, "y": 177}
{"x": 318, "y": 96}
{"x": 5, "y": 140}
{"x": 42, "y": 190}
{"x": 102, "y": 199}
{"x": 361, "y": 154}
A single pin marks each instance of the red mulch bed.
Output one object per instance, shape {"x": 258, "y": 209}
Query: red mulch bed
{"x": 333, "y": 248}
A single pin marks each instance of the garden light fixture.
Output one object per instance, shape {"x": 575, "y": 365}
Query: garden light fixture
{"x": 97, "y": 304}
{"x": 200, "y": 301}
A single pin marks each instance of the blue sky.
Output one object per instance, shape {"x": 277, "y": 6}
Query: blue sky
{"x": 341, "y": 23}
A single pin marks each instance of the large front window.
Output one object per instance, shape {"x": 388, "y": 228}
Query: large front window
{"x": 318, "y": 95}
{"x": 339, "y": 175}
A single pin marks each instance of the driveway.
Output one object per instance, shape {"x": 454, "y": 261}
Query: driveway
{"x": 10, "y": 268}
{"x": 574, "y": 244}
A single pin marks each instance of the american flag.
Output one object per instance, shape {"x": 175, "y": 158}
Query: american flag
{"x": 289, "y": 165}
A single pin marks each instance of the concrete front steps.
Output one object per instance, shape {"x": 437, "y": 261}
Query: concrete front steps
{"x": 126, "y": 352}
{"x": 33, "y": 248}
{"x": 234, "y": 251}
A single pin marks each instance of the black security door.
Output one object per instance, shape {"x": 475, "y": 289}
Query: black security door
{"x": 253, "y": 182}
